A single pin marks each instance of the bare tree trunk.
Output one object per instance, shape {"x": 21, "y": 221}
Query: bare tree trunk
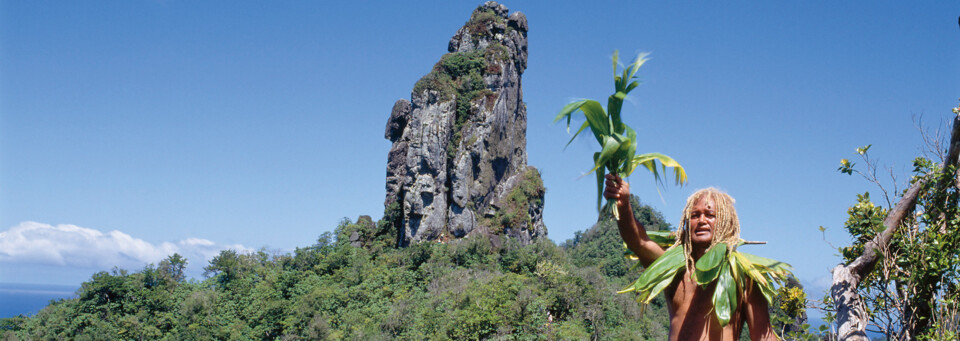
{"x": 852, "y": 317}
{"x": 953, "y": 149}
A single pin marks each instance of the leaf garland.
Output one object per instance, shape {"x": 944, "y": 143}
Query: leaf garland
{"x": 729, "y": 268}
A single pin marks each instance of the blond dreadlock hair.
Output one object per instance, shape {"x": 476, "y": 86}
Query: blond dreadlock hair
{"x": 726, "y": 229}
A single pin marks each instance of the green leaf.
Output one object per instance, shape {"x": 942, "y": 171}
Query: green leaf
{"x": 708, "y": 266}
{"x": 637, "y": 63}
{"x": 846, "y": 167}
{"x": 731, "y": 288}
{"x": 582, "y": 127}
{"x": 596, "y": 158}
{"x": 725, "y": 295}
{"x": 748, "y": 268}
{"x": 630, "y": 87}
{"x": 662, "y": 284}
{"x": 596, "y": 118}
{"x": 760, "y": 269}
{"x": 623, "y": 141}
{"x": 662, "y": 238}
{"x": 711, "y": 259}
{"x": 599, "y": 122}
{"x": 649, "y": 160}
{"x": 568, "y": 111}
{"x": 613, "y": 109}
{"x": 773, "y": 265}
{"x": 623, "y": 80}
{"x": 663, "y": 269}
{"x": 734, "y": 268}
{"x": 610, "y": 147}
{"x": 648, "y": 163}
{"x": 768, "y": 290}
{"x": 627, "y": 167}
{"x": 672, "y": 259}
{"x": 616, "y": 56}
{"x": 619, "y": 156}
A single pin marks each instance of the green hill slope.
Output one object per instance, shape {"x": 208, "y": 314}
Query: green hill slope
{"x": 363, "y": 288}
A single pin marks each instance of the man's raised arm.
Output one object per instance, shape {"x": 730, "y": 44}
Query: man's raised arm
{"x": 630, "y": 229}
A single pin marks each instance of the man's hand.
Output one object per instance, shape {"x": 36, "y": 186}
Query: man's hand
{"x": 630, "y": 229}
{"x": 617, "y": 189}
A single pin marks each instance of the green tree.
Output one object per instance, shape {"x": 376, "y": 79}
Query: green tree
{"x": 901, "y": 272}
{"x": 173, "y": 266}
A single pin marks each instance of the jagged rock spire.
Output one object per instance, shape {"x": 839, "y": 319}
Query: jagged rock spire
{"x": 458, "y": 164}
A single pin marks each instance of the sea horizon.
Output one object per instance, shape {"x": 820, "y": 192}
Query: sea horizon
{"x": 29, "y": 298}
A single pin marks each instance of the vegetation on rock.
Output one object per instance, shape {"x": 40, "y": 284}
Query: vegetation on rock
{"x": 461, "y": 137}
{"x": 482, "y": 19}
{"x": 514, "y": 210}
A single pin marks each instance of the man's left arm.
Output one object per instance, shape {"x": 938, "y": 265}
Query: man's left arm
{"x": 757, "y": 315}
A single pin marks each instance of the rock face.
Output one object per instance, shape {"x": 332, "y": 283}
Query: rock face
{"x": 458, "y": 164}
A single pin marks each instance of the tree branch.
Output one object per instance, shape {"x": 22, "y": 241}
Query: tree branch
{"x": 953, "y": 153}
{"x": 851, "y": 316}
{"x": 865, "y": 263}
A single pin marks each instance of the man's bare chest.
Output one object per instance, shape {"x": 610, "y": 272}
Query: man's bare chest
{"x": 691, "y": 311}
{"x": 686, "y": 295}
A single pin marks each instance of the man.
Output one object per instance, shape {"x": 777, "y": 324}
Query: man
{"x": 708, "y": 218}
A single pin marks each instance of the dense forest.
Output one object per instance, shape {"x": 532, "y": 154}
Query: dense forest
{"x": 354, "y": 283}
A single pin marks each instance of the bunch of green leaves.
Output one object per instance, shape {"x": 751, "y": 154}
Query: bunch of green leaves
{"x": 730, "y": 268}
{"x": 618, "y": 141}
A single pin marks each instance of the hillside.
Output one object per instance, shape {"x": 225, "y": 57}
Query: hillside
{"x": 464, "y": 289}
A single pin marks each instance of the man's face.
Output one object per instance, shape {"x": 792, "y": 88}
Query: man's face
{"x": 703, "y": 218}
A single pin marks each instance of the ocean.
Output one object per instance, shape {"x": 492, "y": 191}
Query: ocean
{"x": 28, "y": 299}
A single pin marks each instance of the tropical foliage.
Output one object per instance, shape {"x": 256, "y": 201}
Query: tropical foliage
{"x": 618, "y": 141}
{"x": 367, "y": 289}
{"x": 913, "y": 291}
{"x": 721, "y": 263}
{"x": 468, "y": 289}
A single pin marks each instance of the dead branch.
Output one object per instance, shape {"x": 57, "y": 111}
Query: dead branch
{"x": 851, "y": 316}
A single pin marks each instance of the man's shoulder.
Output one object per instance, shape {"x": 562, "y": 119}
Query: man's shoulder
{"x": 677, "y": 279}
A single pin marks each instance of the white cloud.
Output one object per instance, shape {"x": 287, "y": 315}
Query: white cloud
{"x": 75, "y": 246}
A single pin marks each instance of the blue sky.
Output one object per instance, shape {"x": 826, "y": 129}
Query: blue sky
{"x": 132, "y": 129}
